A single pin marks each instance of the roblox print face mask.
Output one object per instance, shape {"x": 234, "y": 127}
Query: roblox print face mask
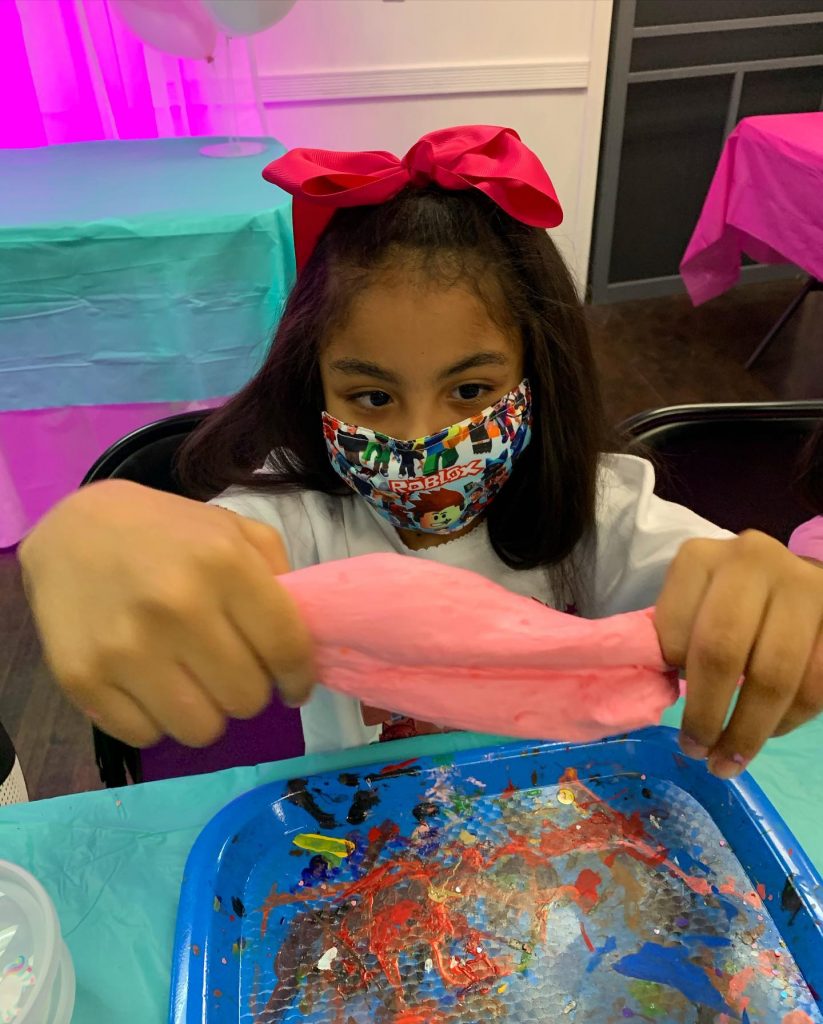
{"x": 440, "y": 483}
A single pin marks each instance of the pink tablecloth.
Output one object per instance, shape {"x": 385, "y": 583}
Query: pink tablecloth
{"x": 45, "y": 453}
{"x": 765, "y": 200}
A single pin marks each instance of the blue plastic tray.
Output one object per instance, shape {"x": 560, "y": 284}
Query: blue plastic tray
{"x": 526, "y": 883}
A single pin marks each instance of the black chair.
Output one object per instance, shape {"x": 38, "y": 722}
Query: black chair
{"x": 735, "y": 465}
{"x": 147, "y": 456}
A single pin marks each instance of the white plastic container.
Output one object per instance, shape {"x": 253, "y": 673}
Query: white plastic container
{"x": 36, "y": 971}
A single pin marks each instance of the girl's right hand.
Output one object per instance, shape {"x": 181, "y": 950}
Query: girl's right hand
{"x": 162, "y": 616}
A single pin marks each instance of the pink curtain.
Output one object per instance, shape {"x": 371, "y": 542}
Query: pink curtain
{"x": 71, "y": 71}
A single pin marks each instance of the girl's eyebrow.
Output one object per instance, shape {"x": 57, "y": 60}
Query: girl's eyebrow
{"x": 475, "y": 361}
{"x": 363, "y": 368}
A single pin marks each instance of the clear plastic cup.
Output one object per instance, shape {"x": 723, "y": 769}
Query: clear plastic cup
{"x": 36, "y": 971}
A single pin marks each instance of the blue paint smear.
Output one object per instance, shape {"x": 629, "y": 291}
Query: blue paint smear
{"x": 728, "y": 907}
{"x": 608, "y": 947}
{"x": 669, "y": 965}
{"x": 684, "y": 860}
{"x": 318, "y": 871}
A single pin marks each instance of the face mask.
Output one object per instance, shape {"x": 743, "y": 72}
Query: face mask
{"x": 435, "y": 484}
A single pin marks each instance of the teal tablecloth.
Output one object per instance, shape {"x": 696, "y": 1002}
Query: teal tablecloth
{"x": 113, "y": 861}
{"x": 136, "y": 271}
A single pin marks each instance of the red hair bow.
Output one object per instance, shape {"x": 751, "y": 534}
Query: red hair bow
{"x": 490, "y": 159}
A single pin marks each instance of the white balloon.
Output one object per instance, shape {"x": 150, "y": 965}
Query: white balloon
{"x": 180, "y": 27}
{"x": 245, "y": 17}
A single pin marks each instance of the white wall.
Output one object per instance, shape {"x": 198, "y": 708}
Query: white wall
{"x": 377, "y": 74}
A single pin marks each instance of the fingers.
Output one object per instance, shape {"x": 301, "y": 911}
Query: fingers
{"x": 775, "y": 669}
{"x": 686, "y": 583}
{"x": 266, "y": 541}
{"x": 225, "y": 666}
{"x": 267, "y": 618}
{"x": 179, "y": 703}
{"x": 723, "y": 635}
{"x": 808, "y": 701}
{"x": 742, "y": 607}
{"x": 121, "y": 716}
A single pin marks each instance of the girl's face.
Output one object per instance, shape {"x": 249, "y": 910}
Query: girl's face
{"x": 413, "y": 358}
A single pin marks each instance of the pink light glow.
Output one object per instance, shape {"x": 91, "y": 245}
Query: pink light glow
{"x": 73, "y": 72}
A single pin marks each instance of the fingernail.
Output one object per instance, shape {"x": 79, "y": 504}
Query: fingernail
{"x": 691, "y": 748}
{"x": 294, "y": 693}
{"x": 727, "y": 767}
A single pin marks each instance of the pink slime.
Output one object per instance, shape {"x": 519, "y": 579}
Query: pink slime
{"x": 448, "y": 646}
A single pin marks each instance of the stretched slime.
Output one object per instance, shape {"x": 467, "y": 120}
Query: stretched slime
{"x": 448, "y": 646}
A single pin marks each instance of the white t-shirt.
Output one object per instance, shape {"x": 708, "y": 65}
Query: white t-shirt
{"x": 638, "y": 534}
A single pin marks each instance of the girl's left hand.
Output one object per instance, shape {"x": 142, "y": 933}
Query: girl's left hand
{"x": 742, "y": 607}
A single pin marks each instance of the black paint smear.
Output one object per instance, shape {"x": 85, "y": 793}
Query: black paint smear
{"x": 426, "y": 810}
{"x": 297, "y": 792}
{"x": 237, "y": 906}
{"x": 393, "y": 773}
{"x": 647, "y": 793}
{"x": 790, "y": 899}
{"x": 349, "y": 780}
{"x": 534, "y": 778}
{"x": 363, "y": 802}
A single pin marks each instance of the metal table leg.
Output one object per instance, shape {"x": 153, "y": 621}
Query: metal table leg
{"x": 812, "y": 285}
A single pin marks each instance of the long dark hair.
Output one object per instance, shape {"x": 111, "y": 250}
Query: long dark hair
{"x": 810, "y": 479}
{"x": 548, "y": 504}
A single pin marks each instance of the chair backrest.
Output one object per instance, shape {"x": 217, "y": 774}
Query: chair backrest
{"x": 735, "y": 464}
{"x": 147, "y": 456}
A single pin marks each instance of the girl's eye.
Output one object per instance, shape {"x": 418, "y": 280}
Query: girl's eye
{"x": 372, "y": 399}
{"x": 470, "y": 392}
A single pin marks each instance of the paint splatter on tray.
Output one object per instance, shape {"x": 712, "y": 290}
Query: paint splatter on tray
{"x": 463, "y": 896}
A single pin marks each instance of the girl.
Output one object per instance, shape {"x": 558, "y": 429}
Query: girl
{"x": 807, "y": 540}
{"x": 428, "y": 295}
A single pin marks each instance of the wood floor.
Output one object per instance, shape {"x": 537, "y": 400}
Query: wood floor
{"x": 650, "y": 353}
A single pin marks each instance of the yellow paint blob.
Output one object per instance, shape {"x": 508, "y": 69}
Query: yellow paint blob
{"x": 328, "y": 846}
{"x": 439, "y": 894}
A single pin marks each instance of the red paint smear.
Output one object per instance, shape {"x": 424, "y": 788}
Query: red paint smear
{"x": 586, "y": 939}
{"x": 761, "y": 890}
{"x": 398, "y": 767}
{"x": 510, "y": 790}
{"x": 384, "y": 929}
{"x": 382, "y": 913}
{"x": 586, "y": 885}
{"x": 424, "y": 1015}
{"x": 737, "y": 988}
